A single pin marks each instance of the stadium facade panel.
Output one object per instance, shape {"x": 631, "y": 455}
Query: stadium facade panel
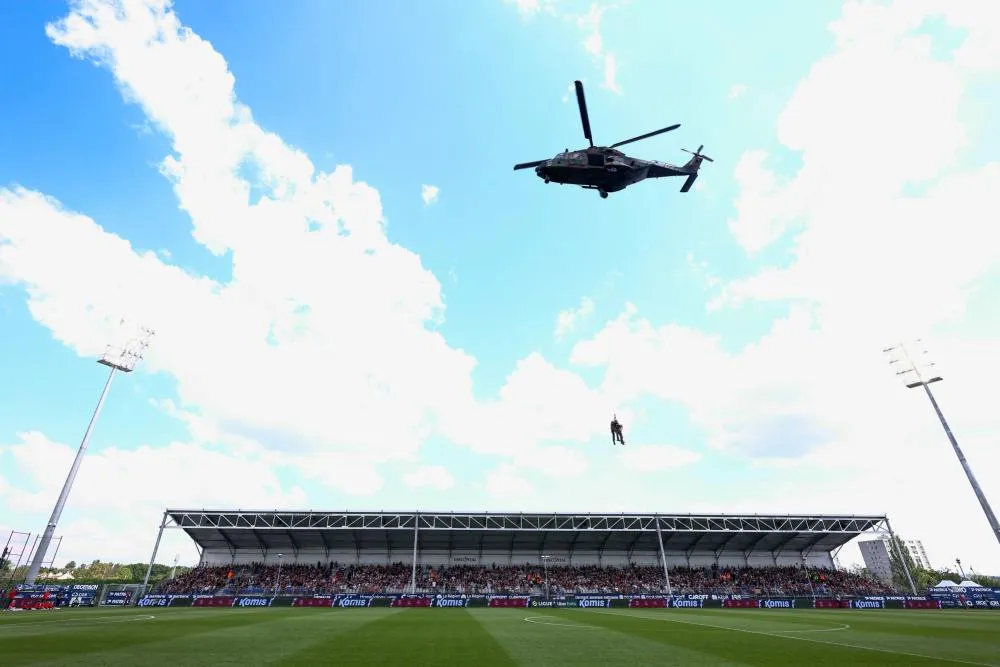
{"x": 480, "y": 538}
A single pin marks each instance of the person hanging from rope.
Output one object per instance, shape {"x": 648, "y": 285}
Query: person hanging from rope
{"x": 616, "y": 432}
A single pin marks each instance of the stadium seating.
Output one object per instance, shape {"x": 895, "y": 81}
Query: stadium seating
{"x": 526, "y": 579}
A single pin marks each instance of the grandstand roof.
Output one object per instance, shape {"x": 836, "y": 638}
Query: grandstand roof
{"x": 268, "y": 531}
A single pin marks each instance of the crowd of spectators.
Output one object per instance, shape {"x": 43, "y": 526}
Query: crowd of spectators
{"x": 523, "y": 579}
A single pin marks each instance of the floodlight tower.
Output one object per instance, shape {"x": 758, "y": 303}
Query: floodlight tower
{"x": 899, "y": 354}
{"x": 121, "y": 360}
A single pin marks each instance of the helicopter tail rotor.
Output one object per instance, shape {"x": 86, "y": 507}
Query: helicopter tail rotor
{"x": 694, "y": 163}
{"x": 697, "y": 154}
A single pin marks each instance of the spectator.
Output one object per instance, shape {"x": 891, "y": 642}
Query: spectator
{"x": 520, "y": 579}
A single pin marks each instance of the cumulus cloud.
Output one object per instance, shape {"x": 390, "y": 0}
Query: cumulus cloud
{"x": 589, "y": 23}
{"x": 878, "y": 246}
{"x": 657, "y": 458}
{"x": 528, "y": 8}
{"x": 593, "y": 43}
{"x": 430, "y": 476}
{"x": 125, "y": 488}
{"x": 429, "y": 193}
{"x": 309, "y": 233}
{"x": 265, "y": 362}
{"x": 505, "y": 483}
{"x": 568, "y": 320}
{"x": 872, "y": 258}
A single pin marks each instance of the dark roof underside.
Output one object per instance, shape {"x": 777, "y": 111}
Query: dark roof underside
{"x": 240, "y": 531}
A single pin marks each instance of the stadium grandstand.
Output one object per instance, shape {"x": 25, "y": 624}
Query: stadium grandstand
{"x": 245, "y": 551}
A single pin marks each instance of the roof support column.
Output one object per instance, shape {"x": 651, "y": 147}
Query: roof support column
{"x": 152, "y": 558}
{"x": 663, "y": 556}
{"x": 416, "y": 537}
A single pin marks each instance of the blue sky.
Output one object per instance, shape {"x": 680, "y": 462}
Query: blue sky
{"x": 736, "y": 328}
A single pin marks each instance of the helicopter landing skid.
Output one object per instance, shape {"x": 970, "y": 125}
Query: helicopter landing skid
{"x": 600, "y": 191}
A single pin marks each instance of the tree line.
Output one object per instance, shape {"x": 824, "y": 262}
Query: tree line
{"x": 924, "y": 578}
{"x": 96, "y": 571}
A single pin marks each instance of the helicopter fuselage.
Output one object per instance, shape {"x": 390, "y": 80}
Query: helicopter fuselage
{"x": 603, "y": 169}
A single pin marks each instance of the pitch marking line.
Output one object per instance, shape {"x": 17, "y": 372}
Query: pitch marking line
{"x": 85, "y": 621}
{"x": 534, "y": 619}
{"x": 845, "y": 626}
{"x": 802, "y": 639}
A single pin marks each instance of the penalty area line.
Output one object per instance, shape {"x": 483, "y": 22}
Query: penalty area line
{"x": 802, "y": 639}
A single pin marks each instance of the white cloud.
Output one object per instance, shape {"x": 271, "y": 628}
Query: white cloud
{"x": 383, "y": 375}
{"x": 657, "y": 458}
{"x": 429, "y": 193}
{"x": 593, "y": 41}
{"x": 554, "y": 461}
{"x": 611, "y": 73}
{"x": 505, "y": 483}
{"x": 812, "y": 396}
{"x": 593, "y": 44}
{"x": 736, "y": 90}
{"x": 874, "y": 255}
{"x": 125, "y": 491}
{"x": 528, "y": 8}
{"x": 432, "y": 476}
{"x": 539, "y": 404}
{"x": 568, "y": 320}
{"x": 310, "y": 232}
{"x": 701, "y": 269}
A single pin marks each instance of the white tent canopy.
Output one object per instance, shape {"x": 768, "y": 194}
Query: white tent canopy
{"x": 947, "y": 583}
{"x": 968, "y": 583}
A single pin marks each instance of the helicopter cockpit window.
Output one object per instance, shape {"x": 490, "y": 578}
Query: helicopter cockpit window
{"x": 595, "y": 159}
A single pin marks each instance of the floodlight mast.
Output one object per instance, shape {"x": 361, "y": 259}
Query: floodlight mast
{"x": 918, "y": 380}
{"x": 122, "y": 360}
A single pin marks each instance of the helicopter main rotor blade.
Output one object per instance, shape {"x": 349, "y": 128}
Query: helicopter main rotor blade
{"x": 528, "y": 165}
{"x": 582, "y": 102}
{"x": 646, "y": 136}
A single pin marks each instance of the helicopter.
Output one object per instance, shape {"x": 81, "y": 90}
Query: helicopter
{"x": 605, "y": 169}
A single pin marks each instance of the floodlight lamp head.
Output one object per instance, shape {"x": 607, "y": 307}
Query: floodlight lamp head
{"x": 126, "y": 357}
{"x": 909, "y": 365}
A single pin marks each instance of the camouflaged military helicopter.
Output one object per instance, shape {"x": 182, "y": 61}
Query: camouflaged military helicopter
{"x": 605, "y": 169}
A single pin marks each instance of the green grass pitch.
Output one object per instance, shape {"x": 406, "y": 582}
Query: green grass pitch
{"x": 486, "y": 637}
